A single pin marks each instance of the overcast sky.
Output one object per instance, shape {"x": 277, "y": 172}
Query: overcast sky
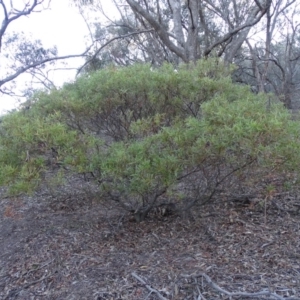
{"x": 60, "y": 26}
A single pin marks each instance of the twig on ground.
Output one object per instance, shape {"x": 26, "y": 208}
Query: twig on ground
{"x": 237, "y": 294}
{"x": 290, "y": 211}
{"x": 200, "y": 296}
{"x": 36, "y": 281}
{"x": 150, "y": 289}
{"x": 42, "y": 266}
{"x": 26, "y": 286}
{"x": 267, "y": 244}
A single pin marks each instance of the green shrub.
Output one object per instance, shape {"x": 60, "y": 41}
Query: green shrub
{"x": 29, "y": 146}
{"x": 233, "y": 144}
{"x": 112, "y": 99}
{"x": 152, "y": 137}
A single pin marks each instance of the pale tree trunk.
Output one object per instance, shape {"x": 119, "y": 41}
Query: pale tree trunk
{"x": 160, "y": 30}
{"x": 192, "y": 43}
{"x": 264, "y": 65}
{"x": 178, "y": 31}
{"x": 183, "y": 37}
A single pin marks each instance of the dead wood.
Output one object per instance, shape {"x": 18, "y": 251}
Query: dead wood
{"x": 216, "y": 287}
{"x": 149, "y": 288}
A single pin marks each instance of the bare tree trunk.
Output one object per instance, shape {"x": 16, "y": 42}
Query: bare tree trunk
{"x": 162, "y": 33}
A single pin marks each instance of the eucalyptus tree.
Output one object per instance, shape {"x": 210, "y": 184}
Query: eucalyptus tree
{"x": 200, "y": 27}
{"x": 271, "y": 60}
{"x": 260, "y": 37}
{"x": 180, "y": 30}
{"x": 18, "y": 53}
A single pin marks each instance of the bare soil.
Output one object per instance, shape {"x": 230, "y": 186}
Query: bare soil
{"x": 71, "y": 245}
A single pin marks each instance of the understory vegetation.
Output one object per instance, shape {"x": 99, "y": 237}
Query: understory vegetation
{"x": 152, "y": 138}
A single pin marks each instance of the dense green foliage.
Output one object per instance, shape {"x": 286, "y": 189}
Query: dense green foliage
{"x": 151, "y": 136}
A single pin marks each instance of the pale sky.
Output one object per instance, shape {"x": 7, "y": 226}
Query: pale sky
{"x": 60, "y": 26}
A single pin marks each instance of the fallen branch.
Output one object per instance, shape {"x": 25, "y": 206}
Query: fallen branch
{"x": 236, "y": 294}
{"x": 26, "y": 286}
{"x": 150, "y": 289}
{"x": 14, "y": 293}
{"x": 290, "y": 211}
{"x": 42, "y": 266}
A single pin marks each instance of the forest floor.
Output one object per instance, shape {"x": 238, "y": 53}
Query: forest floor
{"x": 70, "y": 245}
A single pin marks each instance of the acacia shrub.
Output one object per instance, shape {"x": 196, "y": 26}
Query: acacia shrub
{"x": 187, "y": 137}
{"x": 30, "y": 147}
{"x": 233, "y": 145}
{"x": 110, "y": 100}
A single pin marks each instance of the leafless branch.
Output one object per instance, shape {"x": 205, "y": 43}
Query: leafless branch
{"x": 149, "y": 288}
{"x": 16, "y": 14}
{"x": 110, "y": 41}
{"x": 38, "y": 63}
{"x": 227, "y": 36}
{"x": 237, "y": 294}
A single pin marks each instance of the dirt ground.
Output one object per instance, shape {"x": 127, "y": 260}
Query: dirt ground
{"x": 70, "y": 245}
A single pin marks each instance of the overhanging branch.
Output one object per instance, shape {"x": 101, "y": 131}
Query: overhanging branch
{"x": 110, "y": 41}
{"x": 227, "y": 36}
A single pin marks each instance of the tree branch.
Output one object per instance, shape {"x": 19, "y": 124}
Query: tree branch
{"x": 36, "y": 64}
{"x": 150, "y": 289}
{"x": 158, "y": 28}
{"x": 7, "y": 20}
{"x": 110, "y": 41}
{"x": 237, "y": 294}
{"x": 227, "y": 36}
